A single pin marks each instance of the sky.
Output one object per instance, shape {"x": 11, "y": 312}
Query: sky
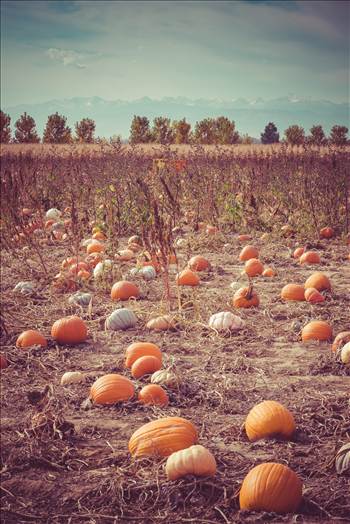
{"x": 198, "y": 49}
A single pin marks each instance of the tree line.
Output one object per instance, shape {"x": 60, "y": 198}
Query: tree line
{"x": 218, "y": 130}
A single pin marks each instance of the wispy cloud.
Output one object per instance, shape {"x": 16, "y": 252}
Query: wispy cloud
{"x": 67, "y": 57}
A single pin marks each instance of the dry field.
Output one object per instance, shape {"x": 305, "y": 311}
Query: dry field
{"x": 75, "y": 466}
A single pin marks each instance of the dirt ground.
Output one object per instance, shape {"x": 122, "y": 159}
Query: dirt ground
{"x": 77, "y": 468}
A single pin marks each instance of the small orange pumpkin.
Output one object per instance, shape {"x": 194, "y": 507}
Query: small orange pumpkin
{"x": 269, "y": 419}
{"x": 99, "y": 236}
{"x": 293, "y": 292}
{"x": 95, "y": 247}
{"x": 319, "y": 281}
{"x": 310, "y": 257}
{"x": 84, "y": 275}
{"x": 145, "y": 366}
{"x": 137, "y": 350}
{"x": 31, "y": 337}
{"x": 248, "y": 252}
{"x": 244, "y": 238}
{"x": 198, "y": 263}
{"x": 187, "y": 278}
{"x": 313, "y": 296}
{"x": 269, "y": 272}
{"x": 76, "y": 267}
{"x": 298, "y": 252}
{"x": 271, "y": 487}
{"x": 316, "y": 330}
{"x": 163, "y": 437}
{"x": 246, "y": 297}
{"x": 93, "y": 259}
{"x": 124, "y": 290}
{"x": 327, "y": 232}
{"x": 125, "y": 255}
{"x": 153, "y": 394}
{"x": 69, "y": 330}
{"x": 253, "y": 267}
{"x": 340, "y": 340}
{"x": 111, "y": 388}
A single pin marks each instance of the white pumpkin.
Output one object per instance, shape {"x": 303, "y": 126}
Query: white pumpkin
{"x": 103, "y": 268}
{"x": 72, "y": 377}
{"x": 25, "y": 288}
{"x": 122, "y": 318}
{"x": 135, "y": 271}
{"x": 226, "y": 321}
{"x": 135, "y": 239}
{"x": 195, "y": 460}
{"x": 345, "y": 354}
{"x": 148, "y": 273}
{"x": 80, "y": 298}
{"x": 86, "y": 242}
{"x": 165, "y": 377}
{"x": 53, "y": 214}
{"x": 161, "y": 323}
{"x": 342, "y": 459}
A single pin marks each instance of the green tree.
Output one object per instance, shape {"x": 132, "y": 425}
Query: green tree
{"x": 182, "y": 131}
{"x": 224, "y": 131}
{"x": 246, "y": 139}
{"x": 5, "y": 130}
{"x": 85, "y": 130}
{"x": 140, "y": 132}
{"x": 204, "y": 132}
{"x": 26, "y": 130}
{"x": 338, "y": 136}
{"x": 162, "y": 132}
{"x": 56, "y": 130}
{"x": 270, "y": 134}
{"x": 317, "y": 136}
{"x": 295, "y": 135}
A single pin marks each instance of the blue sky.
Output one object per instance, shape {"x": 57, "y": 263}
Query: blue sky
{"x": 198, "y": 49}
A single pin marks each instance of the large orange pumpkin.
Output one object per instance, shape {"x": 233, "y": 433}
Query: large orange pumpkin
{"x": 187, "y": 278}
{"x": 313, "y": 296}
{"x": 271, "y": 487}
{"x": 137, "y": 350}
{"x": 198, "y": 263}
{"x": 245, "y": 297}
{"x": 310, "y": 257}
{"x": 153, "y": 394}
{"x": 111, "y": 388}
{"x": 293, "y": 292}
{"x": 124, "y": 290}
{"x": 319, "y": 281}
{"x": 145, "y": 366}
{"x": 248, "y": 252}
{"x": 316, "y": 330}
{"x": 298, "y": 252}
{"x": 69, "y": 330}
{"x": 269, "y": 419}
{"x": 253, "y": 267}
{"x": 31, "y": 337}
{"x": 162, "y": 437}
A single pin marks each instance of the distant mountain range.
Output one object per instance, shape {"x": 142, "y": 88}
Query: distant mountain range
{"x": 113, "y": 117}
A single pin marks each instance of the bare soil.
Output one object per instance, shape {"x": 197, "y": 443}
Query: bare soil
{"x": 73, "y": 465}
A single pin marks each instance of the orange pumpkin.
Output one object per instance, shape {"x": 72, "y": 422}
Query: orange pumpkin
{"x": 99, "y": 236}
{"x": 316, "y": 330}
{"x": 83, "y": 274}
{"x": 145, "y": 366}
{"x": 298, "y": 252}
{"x": 163, "y": 437}
{"x": 327, "y": 232}
{"x": 124, "y": 290}
{"x": 137, "y": 350}
{"x": 243, "y": 238}
{"x": 124, "y": 255}
{"x": 93, "y": 259}
{"x": 246, "y": 297}
{"x": 293, "y": 292}
{"x": 269, "y": 272}
{"x": 340, "y": 340}
{"x": 111, "y": 388}
{"x": 271, "y": 487}
{"x": 248, "y": 252}
{"x": 319, "y": 281}
{"x": 313, "y": 296}
{"x": 154, "y": 395}
{"x": 29, "y": 338}
{"x": 95, "y": 247}
{"x": 269, "y": 419}
{"x": 75, "y": 268}
{"x": 48, "y": 224}
{"x": 310, "y": 257}
{"x": 253, "y": 267}
{"x": 68, "y": 262}
{"x": 187, "y": 278}
{"x": 69, "y": 330}
{"x": 198, "y": 263}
